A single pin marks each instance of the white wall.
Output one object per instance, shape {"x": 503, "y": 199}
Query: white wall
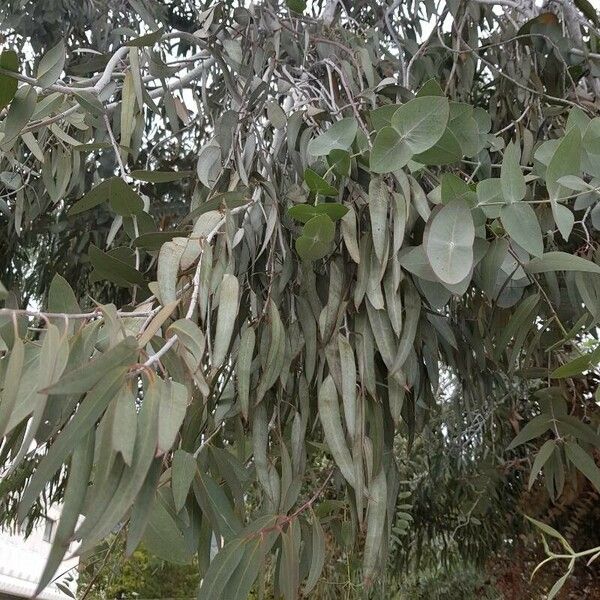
{"x": 22, "y": 562}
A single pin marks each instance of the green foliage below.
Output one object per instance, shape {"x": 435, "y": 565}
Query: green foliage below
{"x": 137, "y": 576}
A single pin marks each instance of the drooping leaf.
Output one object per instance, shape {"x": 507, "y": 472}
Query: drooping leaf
{"x": 375, "y": 525}
{"x": 228, "y": 307}
{"x": 583, "y": 462}
{"x": 317, "y": 556}
{"x": 329, "y": 414}
{"x": 511, "y": 176}
{"x": 561, "y": 261}
{"x": 183, "y": 471}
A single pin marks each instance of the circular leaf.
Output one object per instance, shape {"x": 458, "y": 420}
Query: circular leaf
{"x": 449, "y": 241}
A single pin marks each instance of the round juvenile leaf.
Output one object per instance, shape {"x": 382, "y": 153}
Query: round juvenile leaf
{"x": 305, "y": 212}
{"x": 390, "y": 152}
{"x": 446, "y": 151}
{"x": 338, "y": 137}
{"x": 421, "y": 122}
{"x": 339, "y": 161}
{"x": 318, "y": 185}
{"x": 449, "y": 241}
{"x": 316, "y": 238}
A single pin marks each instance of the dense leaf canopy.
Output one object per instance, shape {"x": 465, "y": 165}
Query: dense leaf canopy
{"x": 314, "y": 284}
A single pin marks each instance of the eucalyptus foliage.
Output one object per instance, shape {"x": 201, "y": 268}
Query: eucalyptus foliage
{"x": 290, "y": 236}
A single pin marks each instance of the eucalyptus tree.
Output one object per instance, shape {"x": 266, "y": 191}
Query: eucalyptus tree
{"x": 249, "y": 262}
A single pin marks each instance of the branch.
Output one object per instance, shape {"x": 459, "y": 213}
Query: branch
{"x": 87, "y": 315}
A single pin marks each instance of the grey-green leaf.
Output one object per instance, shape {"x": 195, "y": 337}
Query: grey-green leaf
{"x": 561, "y": 261}
{"x": 421, "y": 122}
{"x": 228, "y": 307}
{"x": 329, "y": 414}
{"x": 19, "y": 113}
{"x": 183, "y": 470}
{"x": 449, "y": 241}
{"x": 338, "y": 137}
{"x": 512, "y": 180}
{"x": 521, "y": 223}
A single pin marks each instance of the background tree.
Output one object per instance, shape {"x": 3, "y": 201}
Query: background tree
{"x": 296, "y": 279}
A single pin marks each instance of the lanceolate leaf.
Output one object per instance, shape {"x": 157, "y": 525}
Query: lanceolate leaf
{"x": 114, "y": 269}
{"x": 511, "y": 176}
{"x": 578, "y": 365}
{"x": 133, "y": 477}
{"x": 124, "y": 426}
{"x": 12, "y": 379}
{"x": 243, "y": 369}
{"x": 183, "y": 471}
{"x": 160, "y": 176}
{"x": 171, "y": 412}
{"x": 122, "y": 198}
{"x": 80, "y": 470}
{"x": 329, "y": 414}
{"x": 565, "y": 161}
{"x": 234, "y": 568}
{"x": 561, "y": 261}
{"x": 19, "y": 113}
{"x": 51, "y": 65}
{"x": 317, "y": 556}
{"x": 533, "y": 429}
{"x": 584, "y": 462}
{"x": 86, "y": 377}
{"x": 540, "y": 460}
{"x": 228, "y": 306}
{"x": 8, "y": 84}
{"x": 375, "y": 524}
